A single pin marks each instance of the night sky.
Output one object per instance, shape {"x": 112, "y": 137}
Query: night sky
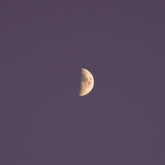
{"x": 44, "y": 44}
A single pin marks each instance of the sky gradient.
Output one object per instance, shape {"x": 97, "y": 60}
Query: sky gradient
{"x": 44, "y": 44}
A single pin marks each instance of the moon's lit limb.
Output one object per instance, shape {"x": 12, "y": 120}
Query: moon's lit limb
{"x": 87, "y": 82}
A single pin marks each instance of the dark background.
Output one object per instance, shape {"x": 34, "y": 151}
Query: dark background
{"x": 43, "y": 46}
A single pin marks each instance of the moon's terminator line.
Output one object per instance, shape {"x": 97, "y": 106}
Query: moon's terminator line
{"x": 87, "y": 82}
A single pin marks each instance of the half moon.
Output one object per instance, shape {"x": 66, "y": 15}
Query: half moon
{"x": 87, "y": 82}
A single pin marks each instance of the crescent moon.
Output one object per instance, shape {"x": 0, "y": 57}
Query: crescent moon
{"x": 87, "y": 82}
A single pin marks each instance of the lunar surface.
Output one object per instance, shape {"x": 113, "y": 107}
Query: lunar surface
{"x": 87, "y": 82}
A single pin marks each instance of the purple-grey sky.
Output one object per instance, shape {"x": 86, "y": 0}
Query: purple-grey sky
{"x": 43, "y": 46}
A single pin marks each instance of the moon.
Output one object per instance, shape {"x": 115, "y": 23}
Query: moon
{"x": 87, "y": 82}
